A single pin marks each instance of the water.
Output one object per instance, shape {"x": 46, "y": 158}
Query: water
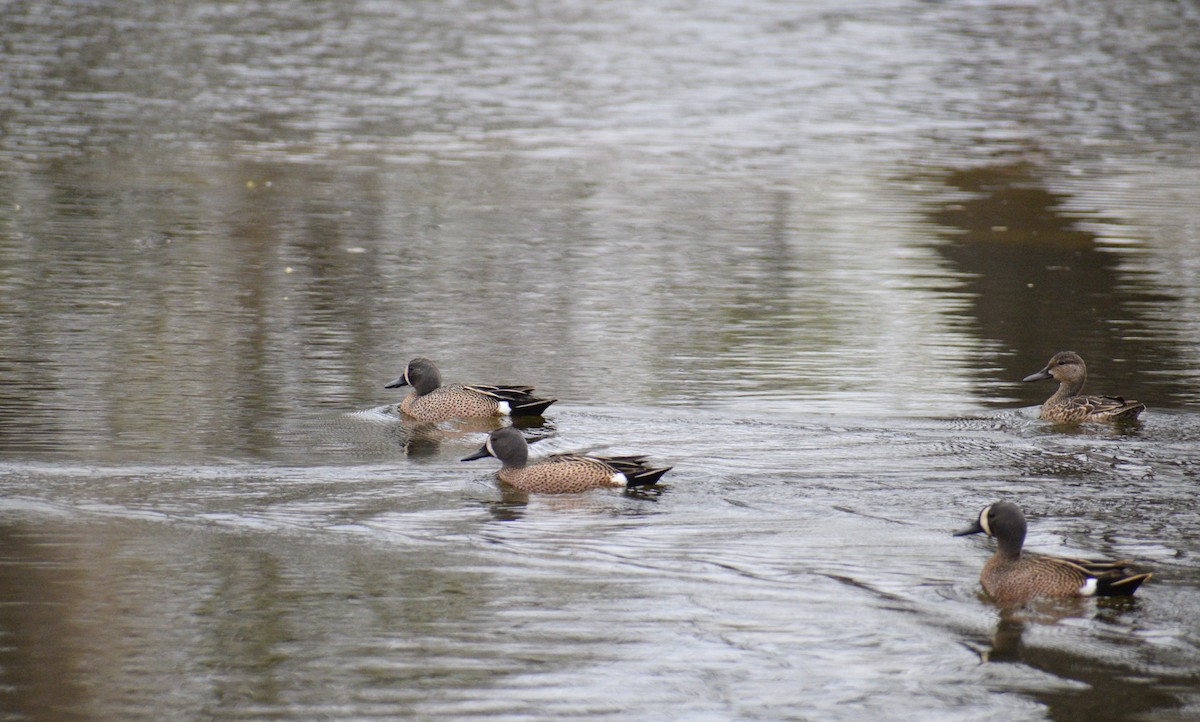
{"x": 804, "y": 253}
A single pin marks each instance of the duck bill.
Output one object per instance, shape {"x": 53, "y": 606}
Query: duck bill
{"x": 1043, "y": 374}
{"x": 973, "y": 529}
{"x": 477, "y": 455}
{"x": 396, "y": 384}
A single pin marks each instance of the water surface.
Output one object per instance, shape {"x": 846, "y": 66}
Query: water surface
{"x": 803, "y": 253}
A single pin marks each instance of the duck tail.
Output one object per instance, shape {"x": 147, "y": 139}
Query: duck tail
{"x": 530, "y": 406}
{"x": 645, "y": 477}
{"x": 1120, "y": 586}
{"x": 520, "y": 399}
{"x": 1124, "y": 409}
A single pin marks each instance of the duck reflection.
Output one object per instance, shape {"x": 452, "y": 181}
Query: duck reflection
{"x": 513, "y": 504}
{"x": 1006, "y": 642}
{"x": 425, "y": 438}
{"x": 1107, "y": 689}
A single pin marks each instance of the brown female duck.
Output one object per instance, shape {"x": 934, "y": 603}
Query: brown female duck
{"x": 1069, "y": 406}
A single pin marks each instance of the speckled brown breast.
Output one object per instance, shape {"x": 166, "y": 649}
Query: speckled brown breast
{"x": 449, "y": 402}
{"x": 563, "y": 475}
{"x": 1010, "y": 582}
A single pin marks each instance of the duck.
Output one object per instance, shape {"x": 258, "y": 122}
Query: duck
{"x": 429, "y": 400}
{"x": 1068, "y": 405}
{"x": 1012, "y": 577}
{"x": 563, "y": 473}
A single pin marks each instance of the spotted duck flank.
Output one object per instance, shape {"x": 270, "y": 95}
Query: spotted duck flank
{"x": 430, "y": 401}
{"x": 1069, "y": 406}
{"x": 563, "y": 473}
{"x": 1012, "y": 577}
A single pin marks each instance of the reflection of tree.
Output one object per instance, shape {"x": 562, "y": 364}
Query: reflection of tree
{"x": 38, "y": 656}
{"x": 1038, "y": 284}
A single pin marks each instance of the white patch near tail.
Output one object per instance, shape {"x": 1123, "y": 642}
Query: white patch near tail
{"x": 1088, "y": 588}
{"x": 618, "y": 479}
{"x": 503, "y": 408}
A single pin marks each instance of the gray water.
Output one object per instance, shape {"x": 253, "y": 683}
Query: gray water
{"x": 802, "y": 252}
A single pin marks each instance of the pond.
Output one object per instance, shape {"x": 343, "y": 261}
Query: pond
{"x": 803, "y": 253}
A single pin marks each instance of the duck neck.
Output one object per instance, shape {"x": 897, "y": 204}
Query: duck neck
{"x": 1010, "y": 548}
{"x": 1066, "y": 389}
{"x": 425, "y": 385}
{"x": 516, "y": 458}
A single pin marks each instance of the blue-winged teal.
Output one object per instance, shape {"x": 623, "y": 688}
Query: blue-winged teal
{"x": 1011, "y": 577}
{"x": 430, "y": 401}
{"x": 1067, "y": 406}
{"x": 563, "y": 473}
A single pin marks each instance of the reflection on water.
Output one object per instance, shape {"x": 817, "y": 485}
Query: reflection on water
{"x": 773, "y": 561}
{"x": 1040, "y": 284}
{"x": 41, "y": 650}
{"x": 802, "y": 252}
{"x": 1102, "y": 690}
{"x": 424, "y": 438}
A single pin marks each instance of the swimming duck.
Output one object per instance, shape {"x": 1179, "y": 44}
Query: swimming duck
{"x": 563, "y": 473}
{"x": 1067, "y": 406}
{"x": 1012, "y": 577}
{"x": 430, "y": 401}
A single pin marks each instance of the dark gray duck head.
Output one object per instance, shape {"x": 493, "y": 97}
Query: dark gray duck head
{"x": 506, "y": 444}
{"x": 1002, "y": 521}
{"x": 421, "y": 374}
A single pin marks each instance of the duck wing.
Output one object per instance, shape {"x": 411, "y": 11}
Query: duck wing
{"x": 1111, "y": 576}
{"x": 634, "y": 467}
{"x": 1108, "y": 407}
{"x": 521, "y": 400}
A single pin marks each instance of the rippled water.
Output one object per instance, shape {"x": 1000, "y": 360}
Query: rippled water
{"x": 802, "y": 252}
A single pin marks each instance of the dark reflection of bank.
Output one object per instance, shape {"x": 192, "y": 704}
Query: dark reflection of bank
{"x": 1038, "y": 284}
{"x": 39, "y": 659}
{"x": 1109, "y": 691}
